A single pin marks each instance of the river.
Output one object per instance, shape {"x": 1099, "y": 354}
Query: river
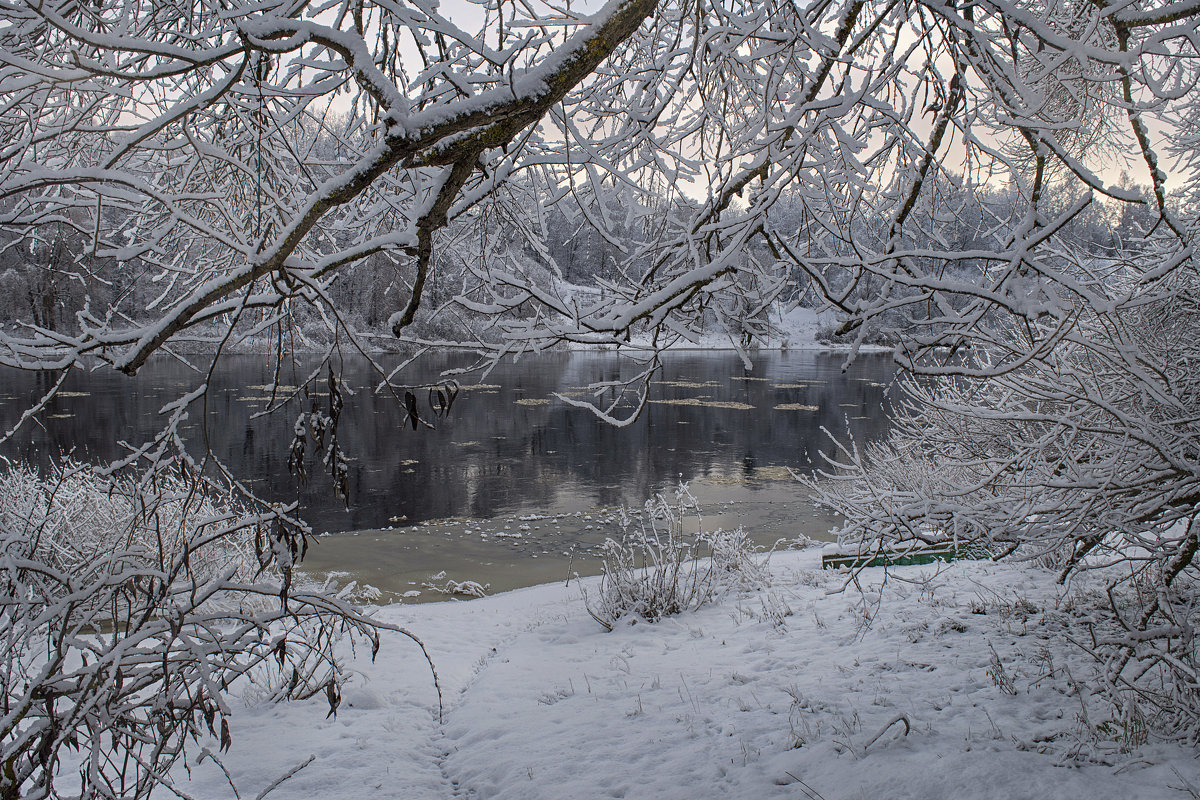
{"x": 513, "y": 486}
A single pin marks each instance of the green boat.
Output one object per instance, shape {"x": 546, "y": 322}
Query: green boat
{"x": 923, "y": 554}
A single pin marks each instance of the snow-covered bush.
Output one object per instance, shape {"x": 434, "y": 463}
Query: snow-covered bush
{"x": 129, "y": 606}
{"x": 657, "y": 570}
{"x": 76, "y": 516}
{"x": 735, "y": 558}
{"x": 651, "y": 573}
{"x": 1072, "y": 462}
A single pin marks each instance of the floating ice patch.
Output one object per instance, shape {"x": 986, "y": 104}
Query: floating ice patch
{"x": 695, "y": 401}
{"x": 774, "y": 473}
{"x": 687, "y": 384}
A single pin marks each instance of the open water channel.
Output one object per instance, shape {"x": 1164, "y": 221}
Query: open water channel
{"x": 514, "y": 486}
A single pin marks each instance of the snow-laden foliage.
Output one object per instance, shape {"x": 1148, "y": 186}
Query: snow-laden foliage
{"x": 174, "y": 169}
{"x": 128, "y": 610}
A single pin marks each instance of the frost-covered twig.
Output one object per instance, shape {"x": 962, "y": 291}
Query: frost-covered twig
{"x": 276, "y": 783}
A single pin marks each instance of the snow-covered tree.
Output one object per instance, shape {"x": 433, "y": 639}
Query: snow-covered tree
{"x": 249, "y": 155}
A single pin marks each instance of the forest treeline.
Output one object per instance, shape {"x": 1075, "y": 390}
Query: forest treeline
{"x": 580, "y": 243}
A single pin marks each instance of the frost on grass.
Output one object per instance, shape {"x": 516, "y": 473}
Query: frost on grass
{"x": 132, "y": 605}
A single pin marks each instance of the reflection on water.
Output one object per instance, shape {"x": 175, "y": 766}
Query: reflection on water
{"x": 509, "y": 447}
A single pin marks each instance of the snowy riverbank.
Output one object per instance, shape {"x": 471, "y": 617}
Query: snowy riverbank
{"x": 795, "y": 329}
{"x": 777, "y": 690}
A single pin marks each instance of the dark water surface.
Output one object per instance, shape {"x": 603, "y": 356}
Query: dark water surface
{"x": 456, "y": 494}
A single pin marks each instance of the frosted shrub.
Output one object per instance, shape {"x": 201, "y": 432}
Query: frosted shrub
{"x": 128, "y": 608}
{"x": 977, "y": 464}
{"x": 76, "y": 517}
{"x": 734, "y": 558}
{"x": 649, "y": 576}
{"x": 657, "y": 570}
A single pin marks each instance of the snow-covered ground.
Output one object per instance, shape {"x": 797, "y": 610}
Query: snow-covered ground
{"x": 799, "y": 327}
{"x": 776, "y": 690}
